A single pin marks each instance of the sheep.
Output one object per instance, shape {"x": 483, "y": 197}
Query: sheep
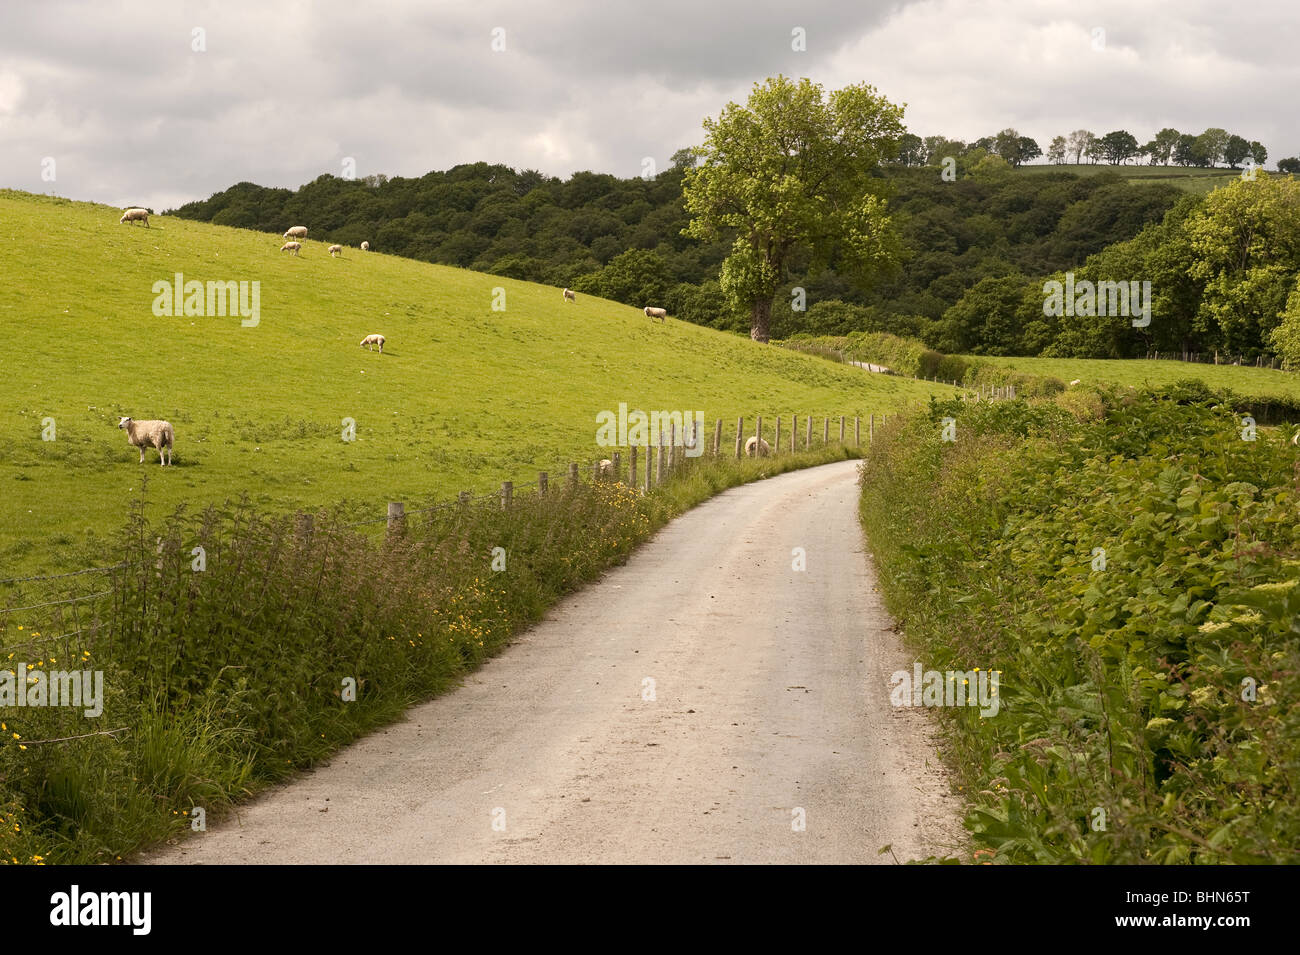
{"x": 1075, "y": 382}
{"x": 659, "y": 313}
{"x": 365, "y": 246}
{"x": 370, "y": 340}
{"x": 335, "y": 250}
{"x": 135, "y": 215}
{"x": 297, "y": 232}
{"x": 150, "y": 434}
{"x": 764, "y": 449}
{"x": 605, "y": 469}
{"x": 294, "y": 247}
{"x": 569, "y": 296}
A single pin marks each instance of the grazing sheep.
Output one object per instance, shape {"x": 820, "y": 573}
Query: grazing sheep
{"x": 659, "y": 313}
{"x": 365, "y": 246}
{"x": 297, "y": 232}
{"x": 1075, "y": 382}
{"x": 764, "y": 449}
{"x": 294, "y": 247}
{"x": 135, "y": 215}
{"x": 373, "y": 340}
{"x": 335, "y": 250}
{"x": 150, "y": 434}
{"x": 606, "y": 469}
{"x": 570, "y": 297}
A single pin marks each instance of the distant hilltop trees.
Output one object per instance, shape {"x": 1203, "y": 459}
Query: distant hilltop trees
{"x": 1167, "y": 147}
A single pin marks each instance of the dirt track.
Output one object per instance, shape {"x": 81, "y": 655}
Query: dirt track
{"x": 771, "y": 694}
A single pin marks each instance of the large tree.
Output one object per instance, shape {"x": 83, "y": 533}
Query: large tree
{"x": 1080, "y": 141}
{"x": 1235, "y": 150}
{"x": 1118, "y": 146}
{"x": 795, "y": 171}
{"x": 1162, "y": 146}
{"x": 1056, "y": 151}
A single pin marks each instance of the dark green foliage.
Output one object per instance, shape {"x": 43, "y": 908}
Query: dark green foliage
{"x": 621, "y": 238}
{"x": 1149, "y": 698}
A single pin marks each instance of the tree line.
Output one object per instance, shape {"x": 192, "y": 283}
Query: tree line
{"x": 1167, "y": 147}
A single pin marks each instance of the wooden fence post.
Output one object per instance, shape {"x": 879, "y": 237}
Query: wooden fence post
{"x": 776, "y": 441}
{"x": 507, "y": 494}
{"x": 717, "y": 437}
{"x": 826, "y": 430}
{"x": 304, "y": 528}
{"x": 659, "y": 459}
{"x": 542, "y": 481}
{"x": 463, "y": 498}
{"x": 794, "y": 433}
{"x": 740, "y": 435}
{"x": 396, "y": 517}
{"x": 758, "y": 434}
{"x": 573, "y": 473}
{"x": 871, "y": 428}
{"x": 672, "y": 445}
{"x": 647, "y": 464}
{"x": 807, "y": 438}
{"x": 631, "y": 463}
{"x": 618, "y": 467}
{"x": 857, "y": 431}
{"x": 841, "y": 429}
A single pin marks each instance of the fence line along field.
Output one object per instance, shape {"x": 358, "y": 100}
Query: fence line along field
{"x": 481, "y": 377}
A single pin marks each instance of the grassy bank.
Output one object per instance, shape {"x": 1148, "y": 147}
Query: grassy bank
{"x": 482, "y": 378}
{"x": 221, "y": 680}
{"x": 1129, "y": 565}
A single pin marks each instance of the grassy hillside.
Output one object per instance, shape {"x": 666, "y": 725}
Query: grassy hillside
{"x": 1249, "y": 381}
{"x": 1188, "y": 178}
{"x": 463, "y": 397}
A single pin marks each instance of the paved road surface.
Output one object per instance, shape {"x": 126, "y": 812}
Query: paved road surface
{"x": 770, "y": 697}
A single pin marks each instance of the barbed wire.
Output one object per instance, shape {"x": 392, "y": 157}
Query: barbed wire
{"x": 71, "y": 573}
{"x": 559, "y": 476}
{"x": 61, "y": 636}
{"x": 64, "y": 739}
{"x": 54, "y": 603}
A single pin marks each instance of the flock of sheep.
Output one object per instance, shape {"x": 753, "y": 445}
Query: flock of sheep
{"x": 650, "y": 311}
{"x": 161, "y": 435}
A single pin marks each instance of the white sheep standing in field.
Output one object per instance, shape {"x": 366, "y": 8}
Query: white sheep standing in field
{"x": 150, "y": 434}
{"x": 365, "y": 246}
{"x": 370, "y": 340}
{"x": 605, "y": 469}
{"x": 294, "y": 247}
{"x": 659, "y": 313}
{"x": 135, "y": 215}
{"x": 335, "y": 250}
{"x": 764, "y": 449}
{"x": 296, "y": 232}
{"x": 1075, "y": 382}
{"x": 569, "y": 296}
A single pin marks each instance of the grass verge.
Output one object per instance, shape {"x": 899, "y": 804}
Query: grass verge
{"x": 229, "y": 669}
{"x": 1128, "y": 565}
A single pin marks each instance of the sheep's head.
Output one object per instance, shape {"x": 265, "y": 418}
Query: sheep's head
{"x": 124, "y": 422}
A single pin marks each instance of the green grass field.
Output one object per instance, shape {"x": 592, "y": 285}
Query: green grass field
{"x": 463, "y": 397}
{"x": 1187, "y": 178}
{"x": 1139, "y": 372}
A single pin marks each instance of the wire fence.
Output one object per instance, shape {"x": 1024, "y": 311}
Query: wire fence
{"x": 66, "y": 616}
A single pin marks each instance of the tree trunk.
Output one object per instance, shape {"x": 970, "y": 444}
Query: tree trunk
{"x": 760, "y": 320}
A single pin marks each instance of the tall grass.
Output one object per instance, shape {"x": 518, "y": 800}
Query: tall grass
{"x": 1131, "y": 570}
{"x": 234, "y": 676}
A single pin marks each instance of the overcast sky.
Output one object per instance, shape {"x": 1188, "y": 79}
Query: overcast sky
{"x": 116, "y": 94}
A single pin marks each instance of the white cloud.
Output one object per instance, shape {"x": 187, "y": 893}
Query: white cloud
{"x": 286, "y": 90}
